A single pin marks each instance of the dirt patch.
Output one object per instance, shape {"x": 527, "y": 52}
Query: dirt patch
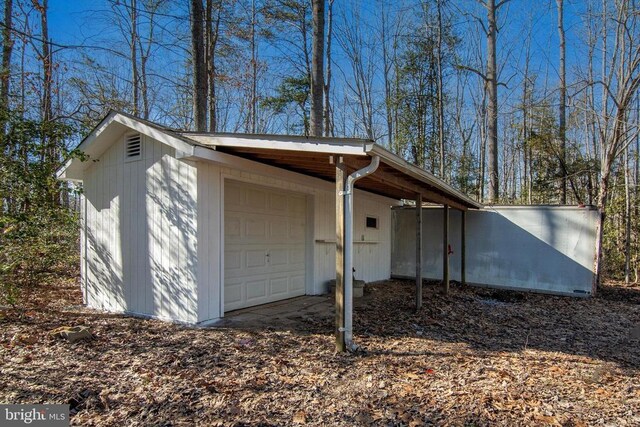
{"x": 474, "y": 357}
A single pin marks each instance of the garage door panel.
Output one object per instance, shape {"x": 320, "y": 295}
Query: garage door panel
{"x": 296, "y": 231}
{"x": 279, "y": 257}
{"x": 256, "y": 198}
{"x": 264, "y": 245}
{"x": 234, "y": 197}
{"x": 255, "y": 229}
{"x": 233, "y": 292}
{"x": 279, "y": 285}
{"x": 297, "y": 205}
{"x": 296, "y": 256}
{"x": 255, "y": 258}
{"x": 278, "y": 228}
{"x": 232, "y": 229}
{"x": 232, "y": 261}
{"x": 256, "y": 289}
{"x": 278, "y": 203}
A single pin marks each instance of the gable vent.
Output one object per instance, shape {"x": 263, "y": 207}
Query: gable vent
{"x": 133, "y": 147}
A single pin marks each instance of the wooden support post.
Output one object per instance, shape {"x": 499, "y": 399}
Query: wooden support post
{"x": 341, "y": 178}
{"x": 463, "y": 249}
{"x": 418, "y": 252}
{"x": 445, "y": 249}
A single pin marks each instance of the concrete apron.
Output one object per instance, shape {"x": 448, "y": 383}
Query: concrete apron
{"x": 290, "y": 314}
{"x": 286, "y": 314}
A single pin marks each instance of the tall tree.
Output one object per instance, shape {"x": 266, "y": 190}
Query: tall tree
{"x": 199, "y": 63}
{"x": 7, "y": 49}
{"x": 317, "y": 68}
{"x": 562, "y": 119}
{"x": 440, "y": 85}
{"x": 328, "y": 122}
{"x": 621, "y": 83}
{"x": 492, "y": 97}
{"x": 253, "y": 112}
{"x": 134, "y": 57}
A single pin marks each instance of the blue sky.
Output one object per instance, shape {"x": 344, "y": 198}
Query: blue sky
{"x": 75, "y": 22}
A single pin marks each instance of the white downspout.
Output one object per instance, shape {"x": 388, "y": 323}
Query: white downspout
{"x": 348, "y": 249}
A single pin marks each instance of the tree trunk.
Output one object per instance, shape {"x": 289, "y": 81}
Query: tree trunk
{"x": 603, "y": 198}
{"x": 254, "y": 70}
{"x": 627, "y": 218}
{"x": 563, "y": 101}
{"x": 328, "y": 122}
{"x": 199, "y": 66}
{"x": 135, "y": 80}
{"x": 317, "y": 68}
{"x": 47, "y": 65}
{"x": 387, "y": 81}
{"x": 440, "y": 92}
{"x": 7, "y": 49}
{"x": 525, "y": 134}
{"x": 212, "y": 33}
{"x": 492, "y": 107}
{"x": 47, "y": 149}
{"x": 5, "y": 72}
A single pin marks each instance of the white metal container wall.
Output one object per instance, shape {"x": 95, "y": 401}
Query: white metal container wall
{"x": 540, "y": 248}
{"x": 140, "y": 238}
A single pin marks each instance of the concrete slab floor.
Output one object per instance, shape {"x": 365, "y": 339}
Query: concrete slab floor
{"x": 287, "y": 314}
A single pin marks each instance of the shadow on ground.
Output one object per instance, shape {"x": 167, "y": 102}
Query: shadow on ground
{"x": 605, "y": 327}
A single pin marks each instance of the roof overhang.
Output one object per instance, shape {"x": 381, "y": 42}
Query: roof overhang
{"x": 313, "y": 156}
{"x": 113, "y": 126}
{"x": 395, "y": 177}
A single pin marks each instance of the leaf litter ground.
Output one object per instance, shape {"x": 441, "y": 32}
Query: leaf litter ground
{"x": 475, "y": 357}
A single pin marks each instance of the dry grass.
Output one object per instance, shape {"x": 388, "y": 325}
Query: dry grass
{"x": 475, "y": 357}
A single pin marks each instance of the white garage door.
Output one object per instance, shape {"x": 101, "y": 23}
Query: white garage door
{"x": 264, "y": 243}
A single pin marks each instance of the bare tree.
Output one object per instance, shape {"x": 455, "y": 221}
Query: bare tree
{"x": 254, "y": 70}
{"x": 328, "y": 122}
{"x": 492, "y": 97}
{"x": 562, "y": 120}
{"x": 317, "y": 68}
{"x": 199, "y": 66}
{"x": 440, "y": 90}
{"x": 620, "y": 83}
{"x": 7, "y": 49}
{"x": 359, "y": 80}
{"x": 212, "y": 31}
{"x": 490, "y": 79}
{"x": 133, "y": 43}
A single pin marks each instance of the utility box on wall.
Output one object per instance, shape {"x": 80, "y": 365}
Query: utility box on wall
{"x": 548, "y": 249}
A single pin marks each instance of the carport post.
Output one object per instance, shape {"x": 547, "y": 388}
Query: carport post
{"x": 418, "y": 251}
{"x": 463, "y": 249}
{"x": 445, "y": 248}
{"x": 341, "y": 179}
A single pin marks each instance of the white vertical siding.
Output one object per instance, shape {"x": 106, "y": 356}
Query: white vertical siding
{"x": 153, "y": 241}
{"x": 371, "y": 247}
{"x": 372, "y": 258}
{"x": 140, "y": 230}
{"x": 209, "y": 241}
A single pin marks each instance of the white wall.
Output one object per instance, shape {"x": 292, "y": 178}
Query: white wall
{"x": 372, "y": 258}
{"x": 152, "y": 231}
{"x": 139, "y": 247}
{"x": 541, "y": 248}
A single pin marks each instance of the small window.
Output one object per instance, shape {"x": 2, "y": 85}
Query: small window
{"x": 133, "y": 147}
{"x": 372, "y": 222}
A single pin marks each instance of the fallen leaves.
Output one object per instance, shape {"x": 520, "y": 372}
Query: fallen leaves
{"x": 471, "y": 358}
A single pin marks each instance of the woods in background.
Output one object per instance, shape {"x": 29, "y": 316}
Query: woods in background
{"x": 508, "y": 101}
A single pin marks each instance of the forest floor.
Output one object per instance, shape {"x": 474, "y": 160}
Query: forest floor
{"x": 475, "y": 357}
